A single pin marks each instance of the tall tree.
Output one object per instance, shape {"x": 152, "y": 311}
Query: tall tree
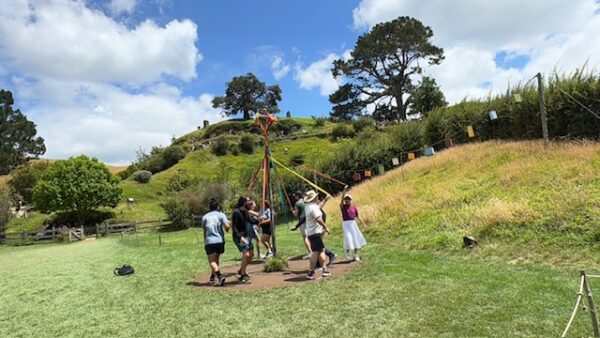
{"x": 246, "y": 94}
{"x": 381, "y": 66}
{"x": 346, "y": 103}
{"x": 23, "y": 180}
{"x": 426, "y": 97}
{"x": 17, "y": 136}
{"x": 77, "y": 185}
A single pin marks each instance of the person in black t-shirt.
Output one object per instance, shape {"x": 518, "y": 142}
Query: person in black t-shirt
{"x": 242, "y": 237}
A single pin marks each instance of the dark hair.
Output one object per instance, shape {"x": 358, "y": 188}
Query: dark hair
{"x": 298, "y": 193}
{"x": 267, "y": 204}
{"x": 241, "y": 201}
{"x": 214, "y": 204}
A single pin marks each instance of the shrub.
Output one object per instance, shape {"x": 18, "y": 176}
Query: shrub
{"x": 234, "y": 149}
{"x": 142, "y": 176}
{"x": 362, "y": 124}
{"x": 197, "y": 198}
{"x": 319, "y": 121}
{"x": 124, "y": 174}
{"x": 342, "y": 131}
{"x": 5, "y": 214}
{"x": 286, "y": 126}
{"x": 247, "y": 144}
{"x": 177, "y": 211}
{"x": 220, "y": 146}
{"x": 276, "y": 264}
{"x": 23, "y": 180}
{"x": 172, "y": 155}
{"x": 180, "y": 181}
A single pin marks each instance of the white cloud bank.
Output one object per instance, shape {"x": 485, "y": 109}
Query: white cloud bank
{"x": 318, "y": 74}
{"x": 95, "y": 86}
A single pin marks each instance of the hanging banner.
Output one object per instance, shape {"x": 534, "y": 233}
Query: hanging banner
{"x": 356, "y": 177}
{"x": 381, "y": 169}
{"x": 470, "y": 131}
{"x": 493, "y": 115}
{"x": 429, "y": 151}
{"x": 448, "y": 142}
{"x": 411, "y": 156}
{"x": 395, "y": 162}
{"x": 517, "y": 98}
{"x": 367, "y": 173}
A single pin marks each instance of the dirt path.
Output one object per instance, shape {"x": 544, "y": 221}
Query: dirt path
{"x": 295, "y": 274}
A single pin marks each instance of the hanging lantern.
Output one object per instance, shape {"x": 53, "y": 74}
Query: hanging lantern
{"x": 470, "y": 131}
{"x": 429, "y": 151}
{"x": 367, "y": 173}
{"x": 493, "y": 115}
{"x": 381, "y": 169}
{"x": 448, "y": 142}
{"x": 517, "y": 98}
{"x": 411, "y": 156}
{"x": 395, "y": 162}
{"x": 356, "y": 177}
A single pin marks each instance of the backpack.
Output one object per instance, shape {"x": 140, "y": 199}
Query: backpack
{"x": 125, "y": 270}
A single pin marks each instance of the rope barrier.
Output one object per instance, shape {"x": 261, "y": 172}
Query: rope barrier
{"x": 579, "y": 297}
{"x": 579, "y": 103}
{"x": 320, "y": 174}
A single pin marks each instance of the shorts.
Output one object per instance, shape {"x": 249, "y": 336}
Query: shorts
{"x": 316, "y": 243}
{"x": 266, "y": 229}
{"x": 217, "y": 248}
{"x": 241, "y": 246}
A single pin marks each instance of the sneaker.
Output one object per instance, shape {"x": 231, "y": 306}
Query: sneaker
{"x": 348, "y": 255}
{"x": 262, "y": 256}
{"x": 213, "y": 281}
{"x": 326, "y": 273}
{"x": 238, "y": 274}
{"x": 356, "y": 258}
{"x": 244, "y": 279}
{"x": 222, "y": 280}
{"x": 332, "y": 259}
{"x": 312, "y": 275}
{"x": 269, "y": 254}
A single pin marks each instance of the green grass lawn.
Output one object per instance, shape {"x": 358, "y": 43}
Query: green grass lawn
{"x": 69, "y": 290}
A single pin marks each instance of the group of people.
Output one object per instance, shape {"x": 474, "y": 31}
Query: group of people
{"x": 246, "y": 223}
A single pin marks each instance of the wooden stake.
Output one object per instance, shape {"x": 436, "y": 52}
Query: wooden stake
{"x": 590, "y": 299}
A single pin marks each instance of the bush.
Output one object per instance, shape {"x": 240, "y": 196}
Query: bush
{"x": 5, "y": 214}
{"x": 197, "y": 198}
{"x": 362, "y": 124}
{"x": 247, "y": 144}
{"x": 319, "y": 121}
{"x": 180, "y": 181}
{"x": 172, "y": 155}
{"x": 342, "y": 131}
{"x": 124, "y": 174}
{"x": 220, "y": 146}
{"x": 234, "y": 149}
{"x": 177, "y": 211}
{"x": 276, "y": 264}
{"x": 286, "y": 126}
{"x": 142, "y": 176}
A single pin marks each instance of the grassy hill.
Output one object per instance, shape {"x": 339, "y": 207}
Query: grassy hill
{"x": 521, "y": 201}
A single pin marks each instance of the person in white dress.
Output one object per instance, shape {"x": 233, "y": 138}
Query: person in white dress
{"x": 353, "y": 238}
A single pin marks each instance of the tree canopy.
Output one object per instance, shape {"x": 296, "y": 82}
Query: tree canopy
{"x": 24, "y": 179}
{"x": 381, "y": 66}
{"x": 4, "y": 213}
{"x": 78, "y": 185}
{"x": 247, "y": 94}
{"x": 17, "y": 136}
{"x": 426, "y": 97}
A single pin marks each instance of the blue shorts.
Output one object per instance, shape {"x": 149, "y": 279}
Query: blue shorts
{"x": 241, "y": 246}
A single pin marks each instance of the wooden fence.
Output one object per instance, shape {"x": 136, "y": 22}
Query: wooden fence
{"x": 132, "y": 227}
{"x": 53, "y": 234}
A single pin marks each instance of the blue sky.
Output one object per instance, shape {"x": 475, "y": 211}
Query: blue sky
{"x": 105, "y": 78}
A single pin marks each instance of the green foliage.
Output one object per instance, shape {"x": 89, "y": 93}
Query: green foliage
{"x": 159, "y": 159}
{"x": 172, "y": 155}
{"x": 319, "y": 120}
{"x": 342, "y": 130}
{"x": 180, "y": 181}
{"x": 177, "y": 211}
{"x": 78, "y": 185}
{"x": 234, "y": 149}
{"x": 247, "y": 144}
{"x": 131, "y": 169}
{"x": 363, "y": 123}
{"x": 380, "y": 69}
{"x": 5, "y": 214}
{"x": 426, "y": 97}
{"x": 246, "y": 94}
{"x": 276, "y": 264}
{"x": 142, "y": 176}
{"x": 17, "y": 136}
{"x": 286, "y": 126}
{"x": 23, "y": 180}
{"x": 197, "y": 198}
{"x": 220, "y": 146}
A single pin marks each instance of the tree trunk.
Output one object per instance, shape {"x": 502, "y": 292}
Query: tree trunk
{"x": 246, "y": 114}
{"x": 400, "y": 109}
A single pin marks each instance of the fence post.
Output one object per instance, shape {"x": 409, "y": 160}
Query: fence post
{"x": 82, "y": 232}
{"x": 159, "y": 240}
{"x": 588, "y": 293}
{"x": 53, "y": 233}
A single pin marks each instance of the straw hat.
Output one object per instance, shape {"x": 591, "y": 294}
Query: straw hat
{"x": 348, "y": 196}
{"x": 310, "y": 196}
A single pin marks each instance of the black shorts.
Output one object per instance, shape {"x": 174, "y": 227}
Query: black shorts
{"x": 316, "y": 242}
{"x": 217, "y": 248}
{"x": 266, "y": 229}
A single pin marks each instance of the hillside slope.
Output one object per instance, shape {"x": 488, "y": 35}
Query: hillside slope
{"x": 518, "y": 199}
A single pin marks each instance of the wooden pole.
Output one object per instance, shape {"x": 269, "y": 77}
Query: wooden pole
{"x": 273, "y": 243}
{"x": 543, "y": 109}
{"x": 590, "y": 299}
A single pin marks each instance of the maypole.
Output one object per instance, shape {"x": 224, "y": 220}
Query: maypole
{"x": 265, "y": 121}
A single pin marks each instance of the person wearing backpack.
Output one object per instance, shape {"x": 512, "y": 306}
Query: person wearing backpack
{"x": 213, "y": 223}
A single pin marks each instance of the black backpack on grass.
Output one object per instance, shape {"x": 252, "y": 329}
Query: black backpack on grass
{"x": 125, "y": 270}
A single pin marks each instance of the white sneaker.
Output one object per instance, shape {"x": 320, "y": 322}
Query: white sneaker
{"x": 269, "y": 254}
{"x": 356, "y": 258}
{"x": 262, "y": 256}
{"x": 348, "y": 255}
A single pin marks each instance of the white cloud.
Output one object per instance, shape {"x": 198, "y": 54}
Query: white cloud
{"x": 67, "y": 40}
{"x": 118, "y": 7}
{"x": 552, "y": 33}
{"x": 279, "y": 67}
{"x": 318, "y": 74}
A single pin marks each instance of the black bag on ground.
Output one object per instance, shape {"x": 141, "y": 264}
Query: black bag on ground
{"x": 125, "y": 270}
